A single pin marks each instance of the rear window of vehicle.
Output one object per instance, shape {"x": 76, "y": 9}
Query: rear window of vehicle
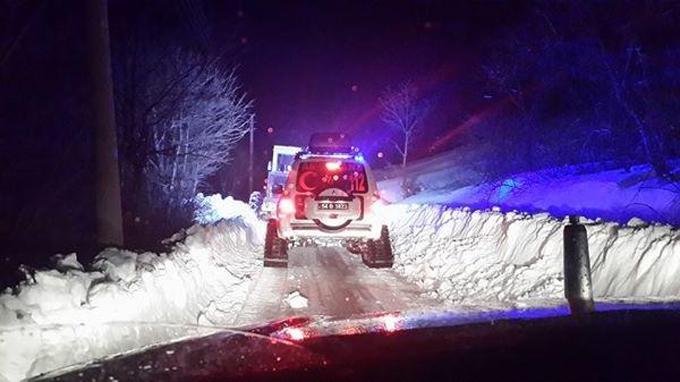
{"x": 316, "y": 176}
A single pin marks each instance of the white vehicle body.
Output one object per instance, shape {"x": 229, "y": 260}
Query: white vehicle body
{"x": 330, "y": 197}
{"x": 332, "y": 210}
{"x": 279, "y": 166}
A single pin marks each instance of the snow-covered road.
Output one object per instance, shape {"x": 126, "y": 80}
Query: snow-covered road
{"x": 328, "y": 281}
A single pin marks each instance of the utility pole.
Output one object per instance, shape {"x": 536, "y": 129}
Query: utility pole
{"x": 252, "y": 148}
{"x": 109, "y": 221}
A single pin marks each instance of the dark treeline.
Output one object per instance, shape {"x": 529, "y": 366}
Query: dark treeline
{"x": 583, "y": 82}
{"x": 163, "y": 53}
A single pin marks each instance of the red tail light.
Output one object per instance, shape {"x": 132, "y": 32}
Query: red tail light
{"x": 300, "y": 207}
{"x": 286, "y": 206}
{"x": 295, "y": 334}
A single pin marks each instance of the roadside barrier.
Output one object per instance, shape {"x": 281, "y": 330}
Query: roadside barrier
{"x": 578, "y": 288}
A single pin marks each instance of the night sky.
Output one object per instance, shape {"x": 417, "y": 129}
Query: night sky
{"x": 303, "y": 61}
{"x": 309, "y": 66}
{"x": 321, "y": 66}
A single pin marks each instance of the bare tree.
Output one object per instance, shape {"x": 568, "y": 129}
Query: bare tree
{"x": 507, "y": 78}
{"x": 207, "y": 124}
{"x": 626, "y": 74}
{"x": 180, "y": 115}
{"x": 404, "y": 113}
{"x": 166, "y": 94}
{"x": 568, "y": 94}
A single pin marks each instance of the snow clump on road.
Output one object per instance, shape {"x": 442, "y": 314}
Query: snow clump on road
{"x": 297, "y": 300}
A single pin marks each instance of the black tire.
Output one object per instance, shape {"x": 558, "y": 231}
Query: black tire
{"x": 378, "y": 253}
{"x": 275, "y": 248}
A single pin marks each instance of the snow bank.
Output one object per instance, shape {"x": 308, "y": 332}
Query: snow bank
{"x": 211, "y": 209}
{"x": 446, "y": 171}
{"x": 470, "y": 257}
{"x": 128, "y": 300}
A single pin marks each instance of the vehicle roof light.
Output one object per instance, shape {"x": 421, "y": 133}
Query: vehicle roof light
{"x": 333, "y": 166}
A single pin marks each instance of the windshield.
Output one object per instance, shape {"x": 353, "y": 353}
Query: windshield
{"x": 264, "y": 166}
{"x": 315, "y": 176}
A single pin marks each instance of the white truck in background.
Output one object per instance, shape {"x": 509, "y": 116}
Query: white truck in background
{"x": 279, "y": 166}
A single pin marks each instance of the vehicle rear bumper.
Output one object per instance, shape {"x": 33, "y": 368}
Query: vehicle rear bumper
{"x": 308, "y": 229}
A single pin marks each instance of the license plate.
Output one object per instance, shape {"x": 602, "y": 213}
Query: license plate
{"x": 333, "y": 206}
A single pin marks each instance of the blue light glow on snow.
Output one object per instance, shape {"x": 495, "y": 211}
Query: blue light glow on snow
{"x": 452, "y": 318}
{"x": 506, "y": 188}
{"x": 597, "y": 191}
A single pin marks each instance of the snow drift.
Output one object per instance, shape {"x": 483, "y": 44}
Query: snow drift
{"x": 210, "y": 209}
{"x": 469, "y": 257}
{"x": 128, "y": 300}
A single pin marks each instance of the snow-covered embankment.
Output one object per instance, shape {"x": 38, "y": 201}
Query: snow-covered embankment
{"x": 489, "y": 257}
{"x": 129, "y": 300}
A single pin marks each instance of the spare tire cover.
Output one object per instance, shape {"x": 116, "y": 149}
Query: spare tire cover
{"x": 335, "y": 219}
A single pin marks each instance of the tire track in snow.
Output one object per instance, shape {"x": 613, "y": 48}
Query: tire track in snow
{"x": 335, "y": 282}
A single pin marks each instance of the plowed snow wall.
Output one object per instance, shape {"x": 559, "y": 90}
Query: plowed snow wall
{"x": 467, "y": 256}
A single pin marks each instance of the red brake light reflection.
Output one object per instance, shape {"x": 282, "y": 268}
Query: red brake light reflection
{"x": 391, "y": 323}
{"x": 295, "y": 334}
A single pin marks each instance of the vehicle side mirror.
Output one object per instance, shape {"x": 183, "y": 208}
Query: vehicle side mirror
{"x": 277, "y": 189}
